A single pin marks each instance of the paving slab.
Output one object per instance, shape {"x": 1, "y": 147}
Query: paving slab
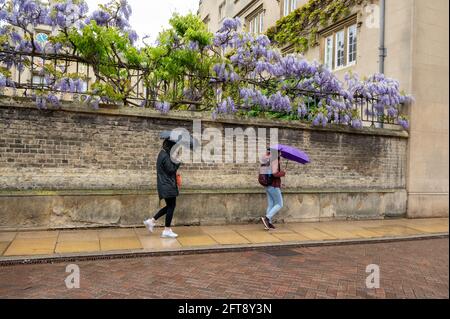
{"x": 363, "y": 233}
{"x": 229, "y": 238}
{"x": 116, "y": 233}
{"x": 311, "y": 232}
{"x": 352, "y": 229}
{"x": 7, "y": 236}
{"x": 337, "y": 232}
{"x": 425, "y": 221}
{"x": 187, "y": 231}
{"x": 120, "y": 243}
{"x": 216, "y": 229}
{"x": 3, "y": 246}
{"x": 31, "y": 246}
{"x": 259, "y": 236}
{"x": 290, "y": 237}
{"x": 82, "y": 246}
{"x": 155, "y": 242}
{"x": 247, "y": 227}
{"x": 195, "y": 241}
{"x": 430, "y": 228}
{"x": 78, "y": 235}
{"x": 393, "y": 230}
{"x": 37, "y": 234}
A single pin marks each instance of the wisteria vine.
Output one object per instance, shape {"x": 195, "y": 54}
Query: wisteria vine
{"x": 230, "y": 72}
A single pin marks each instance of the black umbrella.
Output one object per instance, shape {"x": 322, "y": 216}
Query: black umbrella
{"x": 177, "y": 137}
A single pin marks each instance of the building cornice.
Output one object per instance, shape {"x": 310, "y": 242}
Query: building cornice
{"x": 247, "y": 8}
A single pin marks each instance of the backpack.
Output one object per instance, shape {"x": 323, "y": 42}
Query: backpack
{"x": 265, "y": 179}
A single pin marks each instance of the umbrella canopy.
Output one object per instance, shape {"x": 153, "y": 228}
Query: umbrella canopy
{"x": 177, "y": 137}
{"x": 291, "y": 153}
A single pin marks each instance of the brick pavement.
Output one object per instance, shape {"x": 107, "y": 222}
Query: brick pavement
{"x": 410, "y": 269}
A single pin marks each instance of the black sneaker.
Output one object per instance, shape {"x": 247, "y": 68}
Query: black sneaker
{"x": 266, "y": 222}
{"x": 271, "y": 226}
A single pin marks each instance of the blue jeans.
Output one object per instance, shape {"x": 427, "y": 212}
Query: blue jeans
{"x": 274, "y": 201}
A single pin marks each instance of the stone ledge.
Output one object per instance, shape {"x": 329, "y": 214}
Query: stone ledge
{"x": 111, "y": 192}
{"x": 53, "y": 210}
{"x": 204, "y": 116}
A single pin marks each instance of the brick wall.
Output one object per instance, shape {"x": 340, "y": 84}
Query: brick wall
{"x": 69, "y": 150}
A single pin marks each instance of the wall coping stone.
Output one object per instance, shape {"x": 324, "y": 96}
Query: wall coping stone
{"x": 26, "y": 103}
{"x": 105, "y": 192}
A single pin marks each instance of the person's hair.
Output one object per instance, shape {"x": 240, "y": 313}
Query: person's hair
{"x": 167, "y": 145}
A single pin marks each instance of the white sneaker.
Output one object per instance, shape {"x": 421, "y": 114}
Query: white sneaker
{"x": 168, "y": 234}
{"x": 150, "y": 224}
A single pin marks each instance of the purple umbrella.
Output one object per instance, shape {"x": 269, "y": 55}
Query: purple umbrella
{"x": 291, "y": 153}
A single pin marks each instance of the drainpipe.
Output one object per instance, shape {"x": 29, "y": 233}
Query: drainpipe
{"x": 382, "y": 47}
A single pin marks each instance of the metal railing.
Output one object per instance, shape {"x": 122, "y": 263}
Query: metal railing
{"x": 29, "y": 74}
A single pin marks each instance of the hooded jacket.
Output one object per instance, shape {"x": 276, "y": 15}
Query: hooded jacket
{"x": 166, "y": 172}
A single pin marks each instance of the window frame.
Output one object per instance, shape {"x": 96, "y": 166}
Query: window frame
{"x": 355, "y": 52}
{"x": 206, "y": 21}
{"x": 42, "y": 81}
{"x": 222, "y": 10}
{"x": 288, "y": 7}
{"x": 344, "y": 26}
{"x": 328, "y": 53}
{"x": 337, "y": 50}
{"x": 256, "y": 17}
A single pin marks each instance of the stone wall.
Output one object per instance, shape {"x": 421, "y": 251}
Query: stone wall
{"x": 79, "y": 167}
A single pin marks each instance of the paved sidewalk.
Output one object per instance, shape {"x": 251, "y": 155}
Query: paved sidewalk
{"x": 16, "y": 246}
{"x": 408, "y": 269}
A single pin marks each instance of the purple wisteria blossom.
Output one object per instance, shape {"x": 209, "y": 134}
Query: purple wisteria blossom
{"x": 280, "y": 103}
{"x": 245, "y": 73}
{"x": 403, "y": 122}
{"x": 257, "y": 63}
{"x": 3, "y": 81}
{"x": 227, "y": 106}
{"x": 253, "y": 97}
{"x": 67, "y": 14}
{"x": 225, "y": 72}
{"x": 356, "y": 123}
{"x": 163, "y": 107}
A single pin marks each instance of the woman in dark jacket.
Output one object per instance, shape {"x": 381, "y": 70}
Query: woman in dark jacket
{"x": 166, "y": 171}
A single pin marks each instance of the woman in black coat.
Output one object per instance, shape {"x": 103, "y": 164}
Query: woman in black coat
{"x": 166, "y": 171}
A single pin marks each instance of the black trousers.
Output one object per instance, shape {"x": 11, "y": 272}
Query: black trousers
{"x": 168, "y": 210}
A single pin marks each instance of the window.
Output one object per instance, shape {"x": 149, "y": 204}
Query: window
{"x": 328, "y": 59}
{"x": 289, "y": 6}
{"x": 340, "y": 50}
{"x": 222, "y": 11}
{"x": 351, "y": 46}
{"x": 206, "y": 21}
{"x": 39, "y": 80}
{"x": 340, "y": 47}
{"x": 256, "y": 23}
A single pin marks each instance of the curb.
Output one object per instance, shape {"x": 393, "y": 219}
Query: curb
{"x": 126, "y": 254}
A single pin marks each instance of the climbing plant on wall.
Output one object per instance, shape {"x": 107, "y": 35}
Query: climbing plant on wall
{"x": 230, "y": 72}
{"x": 300, "y": 27}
